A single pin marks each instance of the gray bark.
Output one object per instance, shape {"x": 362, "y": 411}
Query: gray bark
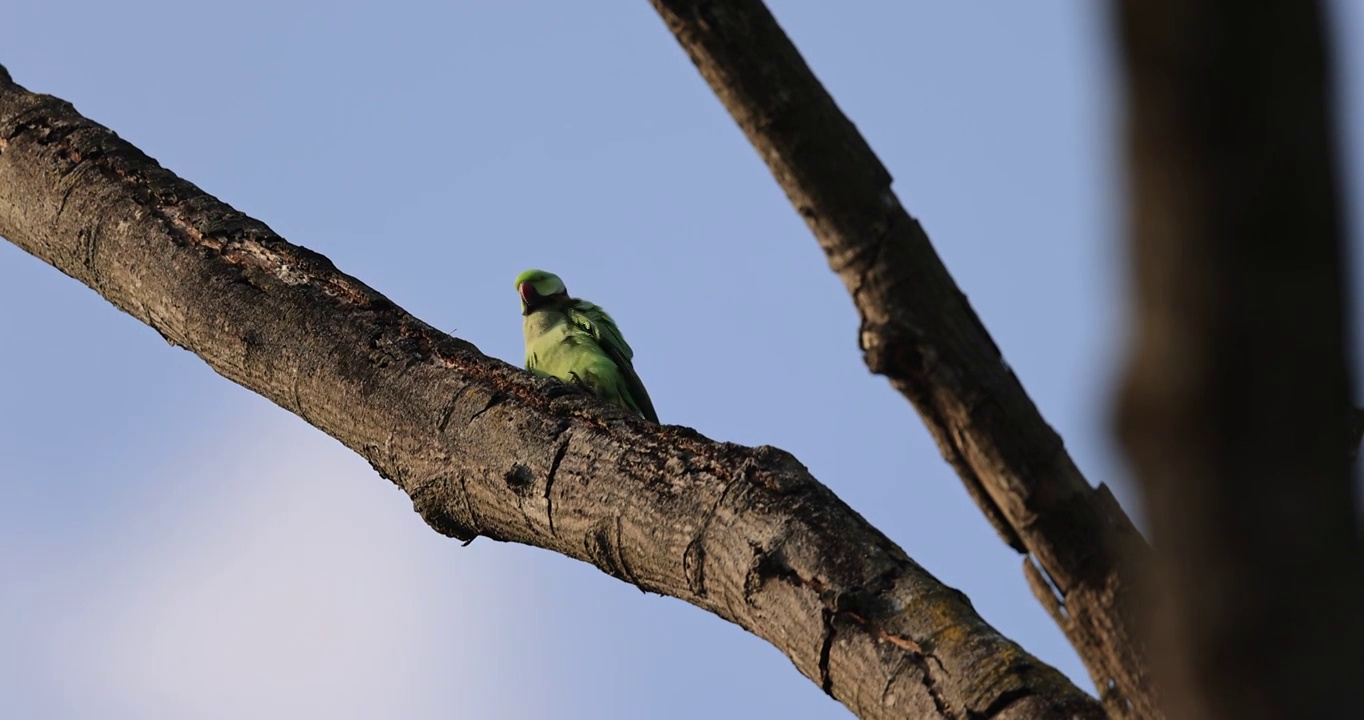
{"x": 1234, "y": 406}
{"x": 484, "y": 449}
{"x": 919, "y": 331}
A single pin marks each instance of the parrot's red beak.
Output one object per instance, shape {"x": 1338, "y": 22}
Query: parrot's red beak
{"x": 528, "y": 293}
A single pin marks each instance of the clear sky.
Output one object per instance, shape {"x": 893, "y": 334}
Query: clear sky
{"x": 174, "y": 546}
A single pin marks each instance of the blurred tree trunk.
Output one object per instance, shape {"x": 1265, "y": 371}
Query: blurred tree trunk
{"x": 1235, "y": 406}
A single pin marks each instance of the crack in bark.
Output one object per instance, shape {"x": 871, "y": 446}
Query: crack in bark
{"x": 915, "y": 655}
{"x": 91, "y": 242}
{"x": 1000, "y": 704}
{"x": 494, "y": 400}
{"x": 694, "y": 557}
{"x": 66, "y": 198}
{"x": 892, "y": 676}
{"x": 601, "y": 544}
{"x": 298, "y": 396}
{"x": 475, "y": 525}
{"x": 625, "y": 568}
{"x": 769, "y": 564}
{"x": 826, "y": 681}
{"x": 858, "y": 605}
{"x": 1047, "y": 594}
{"x": 448, "y": 411}
{"x": 563, "y": 438}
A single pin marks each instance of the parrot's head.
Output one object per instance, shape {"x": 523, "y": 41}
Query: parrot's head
{"x": 538, "y": 288}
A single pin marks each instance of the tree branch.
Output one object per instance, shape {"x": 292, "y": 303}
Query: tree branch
{"x": 1234, "y": 406}
{"x": 484, "y": 449}
{"x": 920, "y": 332}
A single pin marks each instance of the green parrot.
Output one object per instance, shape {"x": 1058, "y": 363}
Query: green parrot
{"x": 577, "y": 342}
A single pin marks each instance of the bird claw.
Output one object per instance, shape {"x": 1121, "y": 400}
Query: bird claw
{"x": 558, "y": 389}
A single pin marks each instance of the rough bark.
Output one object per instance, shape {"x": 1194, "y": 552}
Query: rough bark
{"x": 484, "y": 449}
{"x": 919, "y": 331}
{"x": 1234, "y": 404}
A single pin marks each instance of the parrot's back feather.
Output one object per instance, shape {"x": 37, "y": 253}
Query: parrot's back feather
{"x": 596, "y": 321}
{"x": 578, "y": 342}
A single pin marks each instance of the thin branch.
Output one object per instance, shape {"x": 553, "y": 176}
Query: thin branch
{"x": 485, "y": 449}
{"x": 1233, "y": 407}
{"x": 920, "y": 332}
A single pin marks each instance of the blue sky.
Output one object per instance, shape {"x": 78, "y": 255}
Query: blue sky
{"x": 173, "y": 546}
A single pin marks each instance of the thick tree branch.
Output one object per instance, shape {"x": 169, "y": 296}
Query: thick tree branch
{"x": 919, "y": 331}
{"x": 483, "y": 449}
{"x": 1234, "y": 407}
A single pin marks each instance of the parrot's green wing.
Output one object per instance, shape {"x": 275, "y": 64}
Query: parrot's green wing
{"x": 596, "y": 322}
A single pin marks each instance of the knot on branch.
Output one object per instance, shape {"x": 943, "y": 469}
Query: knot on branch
{"x": 429, "y": 500}
{"x": 520, "y": 480}
{"x": 892, "y": 349}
